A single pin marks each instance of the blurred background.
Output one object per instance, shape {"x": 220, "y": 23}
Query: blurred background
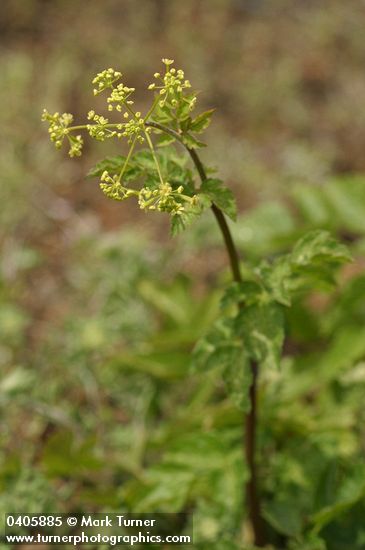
{"x": 99, "y": 308}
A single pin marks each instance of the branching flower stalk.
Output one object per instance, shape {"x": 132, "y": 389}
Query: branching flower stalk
{"x": 250, "y": 332}
{"x": 134, "y": 127}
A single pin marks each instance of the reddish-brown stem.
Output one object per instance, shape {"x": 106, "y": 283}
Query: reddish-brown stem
{"x": 251, "y": 489}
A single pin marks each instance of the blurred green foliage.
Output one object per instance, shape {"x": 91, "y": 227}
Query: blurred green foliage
{"x": 100, "y": 410}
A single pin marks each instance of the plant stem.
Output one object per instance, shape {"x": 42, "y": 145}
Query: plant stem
{"x": 127, "y": 159}
{"x": 152, "y": 149}
{"x": 219, "y": 216}
{"x": 250, "y": 421}
{"x": 222, "y": 222}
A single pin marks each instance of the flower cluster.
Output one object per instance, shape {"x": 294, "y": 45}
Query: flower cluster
{"x": 59, "y": 127}
{"x": 164, "y": 199}
{"x": 112, "y": 187}
{"x": 170, "y": 90}
{"x": 171, "y": 84}
{"x": 120, "y": 96}
{"x": 105, "y": 80}
{"x": 76, "y": 143}
{"x": 100, "y": 130}
{"x": 135, "y": 128}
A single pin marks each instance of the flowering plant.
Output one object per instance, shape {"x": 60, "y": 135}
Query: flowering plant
{"x": 250, "y": 332}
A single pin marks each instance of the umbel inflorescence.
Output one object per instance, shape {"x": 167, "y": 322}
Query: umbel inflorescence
{"x": 167, "y": 184}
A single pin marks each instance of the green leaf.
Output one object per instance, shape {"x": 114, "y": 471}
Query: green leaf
{"x": 165, "y": 139}
{"x": 247, "y": 292}
{"x": 346, "y": 202}
{"x": 186, "y": 124}
{"x": 201, "y": 122}
{"x": 221, "y": 196}
{"x": 192, "y": 211}
{"x": 352, "y": 491}
{"x": 144, "y": 159}
{"x": 217, "y": 348}
{"x": 284, "y": 517}
{"x": 238, "y": 378}
{"x": 339, "y": 204}
{"x": 165, "y": 300}
{"x": 111, "y": 164}
{"x": 183, "y": 111}
{"x": 262, "y": 330}
{"x": 349, "y": 307}
{"x": 155, "y": 364}
{"x": 192, "y": 142}
{"x": 318, "y": 247}
{"x": 277, "y": 279}
{"x": 202, "y": 451}
{"x": 165, "y": 489}
{"x": 347, "y": 347}
{"x": 164, "y": 114}
{"x": 221, "y": 349}
{"x": 311, "y": 265}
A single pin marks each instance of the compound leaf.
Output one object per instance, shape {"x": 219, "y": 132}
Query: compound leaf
{"x": 191, "y": 213}
{"x": 319, "y": 246}
{"x": 192, "y": 142}
{"x": 201, "y": 122}
{"x": 111, "y": 164}
{"x": 262, "y": 330}
{"x": 221, "y": 196}
{"x": 223, "y": 349}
